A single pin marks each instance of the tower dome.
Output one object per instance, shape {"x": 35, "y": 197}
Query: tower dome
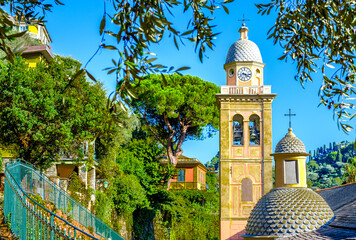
{"x": 288, "y": 211}
{"x": 290, "y": 144}
{"x": 243, "y": 50}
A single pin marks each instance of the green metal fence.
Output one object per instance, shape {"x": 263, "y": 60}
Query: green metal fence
{"x": 30, "y": 220}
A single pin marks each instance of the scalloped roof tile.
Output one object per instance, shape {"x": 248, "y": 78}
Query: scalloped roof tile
{"x": 243, "y": 50}
{"x": 288, "y": 211}
{"x": 290, "y": 144}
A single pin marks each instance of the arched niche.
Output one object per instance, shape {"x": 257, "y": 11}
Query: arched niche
{"x": 258, "y": 76}
{"x": 254, "y": 130}
{"x": 246, "y": 190}
{"x": 237, "y": 130}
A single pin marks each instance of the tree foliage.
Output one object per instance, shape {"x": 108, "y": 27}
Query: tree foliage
{"x": 44, "y": 116}
{"x": 213, "y": 164}
{"x": 130, "y": 28}
{"x": 176, "y": 108}
{"x": 328, "y": 167}
{"x": 78, "y": 190}
{"x": 16, "y": 45}
{"x": 192, "y": 214}
{"x": 140, "y": 157}
{"x": 29, "y": 11}
{"x": 350, "y": 171}
{"x": 320, "y": 36}
{"x": 128, "y": 194}
{"x": 136, "y": 196}
{"x": 133, "y": 26}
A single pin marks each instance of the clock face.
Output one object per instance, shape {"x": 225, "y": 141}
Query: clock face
{"x": 244, "y": 74}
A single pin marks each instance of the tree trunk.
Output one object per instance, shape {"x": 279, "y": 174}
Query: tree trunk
{"x": 169, "y": 184}
{"x": 173, "y": 160}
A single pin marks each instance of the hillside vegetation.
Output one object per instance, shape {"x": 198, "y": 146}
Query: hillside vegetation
{"x": 331, "y": 166}
{"x": 137, "y": 204}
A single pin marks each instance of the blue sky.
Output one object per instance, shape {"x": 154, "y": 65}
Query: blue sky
{"x": 74, "y": 29}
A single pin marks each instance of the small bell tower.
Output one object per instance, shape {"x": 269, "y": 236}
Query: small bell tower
{"x": 245, "y": 105}
{"x": 290, "y": 162}
{"x": 245, "y": 69}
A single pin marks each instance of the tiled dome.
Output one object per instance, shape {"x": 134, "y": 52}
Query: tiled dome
{"x": 288, "y": 211}
{"x": 290, "y": 144}
{"x": 243, "y": 50}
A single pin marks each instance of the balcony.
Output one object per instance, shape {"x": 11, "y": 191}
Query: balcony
{"x": 187, "y": 185}
{"x": 266, "y": 89}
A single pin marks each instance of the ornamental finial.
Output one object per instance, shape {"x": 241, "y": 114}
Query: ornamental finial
{"x": 243, "y": 30}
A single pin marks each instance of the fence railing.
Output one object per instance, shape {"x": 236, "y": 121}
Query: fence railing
{"x": 266, "y": 89}
{"x": 22, "y": 180}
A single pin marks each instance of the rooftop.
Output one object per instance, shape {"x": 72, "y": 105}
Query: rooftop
{"x": 288, "y": 211}
{"x": 342, "y": 200}
{"x": 290, "y": 144}
{"x": 243, "y": 50}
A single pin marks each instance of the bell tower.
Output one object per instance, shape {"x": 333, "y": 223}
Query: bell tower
{"x": 245, "y": 105}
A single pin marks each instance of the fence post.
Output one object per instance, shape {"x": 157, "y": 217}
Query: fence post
{"x": 51, "y": 227}
{"x": 24, "y": 218}
{"x": 43, "y": 186}
{"x": 31, "y": 183}
{"x": 36, "y": 223}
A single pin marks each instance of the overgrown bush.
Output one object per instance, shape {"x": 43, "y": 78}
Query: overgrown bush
{"x": 78, "y": 191}
{"x": 193, "y": 214}
{"x": 103, "y": 206}
{"x": 129, "y": 194}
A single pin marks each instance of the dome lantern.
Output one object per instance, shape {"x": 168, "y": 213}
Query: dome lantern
{"x": 243, "y": 64}
{"x": 290, "y": 144}
{"x": 243, "y": 32}
{"x": 290, "y": 162}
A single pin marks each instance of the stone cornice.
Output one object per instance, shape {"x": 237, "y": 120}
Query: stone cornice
{"x": 245, "y": 97}
{"x": 241, "y": 64}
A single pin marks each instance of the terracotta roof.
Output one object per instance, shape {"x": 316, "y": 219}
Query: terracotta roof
{"x": 185, "y": 161}
{"x": 342, "y": 200}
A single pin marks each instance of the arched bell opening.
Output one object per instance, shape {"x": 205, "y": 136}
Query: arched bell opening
{"x": 254, "y": 129}
{"x": 237, "y": 130}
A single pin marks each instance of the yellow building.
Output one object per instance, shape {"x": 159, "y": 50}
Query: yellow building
{"x": 245, "y": 105}
{"x": 7, "y": 154}
{"x": 35, "y": 54}
{"x": 35, "y": 30}
{"x": 191, "y": 174}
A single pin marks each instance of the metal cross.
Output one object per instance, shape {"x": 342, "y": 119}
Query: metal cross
{"x": 290, "y": 117}
{"x": 243, "y": 19}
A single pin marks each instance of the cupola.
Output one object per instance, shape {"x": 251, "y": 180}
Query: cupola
{"x": 243, "y": 50}
{"x": 290, "y": 162}
{"x": 290, "y": 208}
{"x": 243, "y": 65}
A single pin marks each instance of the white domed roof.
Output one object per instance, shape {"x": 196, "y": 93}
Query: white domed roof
{"x": 243, "y": 50}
